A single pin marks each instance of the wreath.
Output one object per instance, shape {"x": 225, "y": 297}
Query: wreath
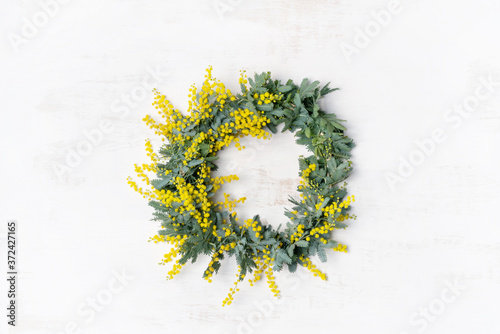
{"x": 182, "y": 190}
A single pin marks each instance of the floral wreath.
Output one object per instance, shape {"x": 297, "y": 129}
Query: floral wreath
{"x": 181, "y": 191}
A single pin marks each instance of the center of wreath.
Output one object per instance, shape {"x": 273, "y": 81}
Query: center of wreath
{"x": 268, "y": 174}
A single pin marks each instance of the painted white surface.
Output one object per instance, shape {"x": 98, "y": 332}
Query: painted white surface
{"x": 439, "y": 225}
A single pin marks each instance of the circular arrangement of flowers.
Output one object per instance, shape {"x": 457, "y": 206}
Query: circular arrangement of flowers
{"x": 180, "y": 187}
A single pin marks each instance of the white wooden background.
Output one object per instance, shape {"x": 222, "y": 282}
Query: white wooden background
{"x": 424, "y": 253}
